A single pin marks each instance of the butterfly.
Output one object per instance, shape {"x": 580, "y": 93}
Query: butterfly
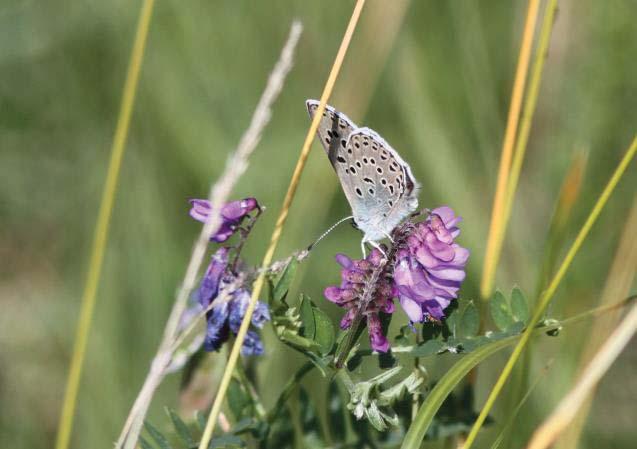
{"x": 377, "y": 182}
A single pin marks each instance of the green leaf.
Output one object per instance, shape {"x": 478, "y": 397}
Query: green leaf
{"x": 226, "y": 442}
{"x": 201, "y": 420}
{"x": 324, "y": 328}
{"x": 436, "y": 397}
{"x": 470, "y": 322}
{"x": 181, "y": 427}
{"x": 501, "y": 311}
{"x": 464, "y": 320}
{"x": 238, "y": 399}
{"x": 156, "y": 435}
{"x": 519, "y": 306}
{"x": 143, "y": 442}
{"x": 307, "y": 317}
{"x": 283, "y": 285}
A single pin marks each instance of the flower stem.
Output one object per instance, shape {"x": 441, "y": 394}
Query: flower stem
{"x": 278, "y": 228}
{"x": 100, "y": 236}
{"x": 547, "y": 295}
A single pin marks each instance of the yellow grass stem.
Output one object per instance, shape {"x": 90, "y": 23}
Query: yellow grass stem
{"x": 100, "y": 236}
{"x": 547, "y": 295}
{"x": 525, "y": 123}
{"x": 278, "y": 228}
{"x": 497, "y": 214}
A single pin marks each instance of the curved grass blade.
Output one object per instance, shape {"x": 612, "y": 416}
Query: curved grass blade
{"x": 433, "y": 401}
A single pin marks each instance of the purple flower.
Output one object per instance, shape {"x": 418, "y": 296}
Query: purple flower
{"x": 232, "y": 214}
{"x": 355, "y": 274}
{"x": 429, "y": 270}
{"x": 228, "y": 309}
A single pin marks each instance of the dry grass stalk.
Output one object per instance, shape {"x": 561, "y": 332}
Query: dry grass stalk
{"x": 219, "y": 193}
{"x": 618, "y": 283}
{"x": 566, "y": 410}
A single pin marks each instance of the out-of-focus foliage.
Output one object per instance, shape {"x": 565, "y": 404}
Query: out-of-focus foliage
{"x": 440, "y": 98}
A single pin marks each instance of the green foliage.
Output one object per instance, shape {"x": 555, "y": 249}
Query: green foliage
{"x": 305, "y": 328}
{"x": 508, "y": 313}
{"x": 519, "y": 306}
{"x": 455, "y": 416}
{"x": 239, "y": 400}
{"x": 157, "y": 436}
{"x": 464, "y": 321}
{"x": 282, "y": 286}
{"x": 181, "y": 427}
{"x": 444, "y": 387}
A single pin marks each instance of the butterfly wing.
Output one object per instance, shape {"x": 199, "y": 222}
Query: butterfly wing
{"x": 378, "y": 184}
{"x": 333, "y": 133}
{"x": 384, "y": 187}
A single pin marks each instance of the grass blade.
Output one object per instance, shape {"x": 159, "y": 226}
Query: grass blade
{"x": 550, "y": 291}
{"x": 497, "y": 214}
{"x": 100, "y": 238}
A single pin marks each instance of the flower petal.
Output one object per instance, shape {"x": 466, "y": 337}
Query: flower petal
{"x": 200, "y": 209}
{"x": 411, "y": 308}
{"x": 377, "y": 340}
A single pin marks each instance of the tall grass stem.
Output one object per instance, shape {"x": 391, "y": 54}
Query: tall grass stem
{"x": 278, "y": 228}
{"x": 490, "y": 259}
{"x": 547, "y": 295}
{"x": 220, "y": 191}
{"x": 100, "y": 236}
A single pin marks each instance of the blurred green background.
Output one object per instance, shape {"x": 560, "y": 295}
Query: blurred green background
{"x": 433, "y": 77}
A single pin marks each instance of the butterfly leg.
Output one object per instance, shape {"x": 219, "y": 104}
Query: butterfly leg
{"x": 388, "y": 236}
{"x": 363, "y": 248}
{"x": 379, "y": 248}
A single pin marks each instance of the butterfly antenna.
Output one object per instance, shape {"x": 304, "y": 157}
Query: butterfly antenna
{"x": 309, "y": 248}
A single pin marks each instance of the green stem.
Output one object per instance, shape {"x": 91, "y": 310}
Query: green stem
{"x": 100, "y": 237}
{"x": 450, "y": 380}
{"x": 552, "y": 288}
